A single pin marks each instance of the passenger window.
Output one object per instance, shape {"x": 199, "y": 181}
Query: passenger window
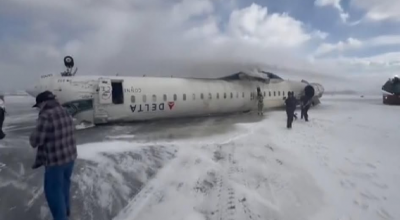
{"x": 217, "y": 95}
{"x": 194, "y": 96}
{"x": 242, "y": 94}
{"x": 224, "y": 95}
{"x": 274, "y": 93}
{"x": 144, "y": 98}
{"x": 209, "y": 96}
{"x": 283, "y": 93}
{"x": 184, "y": 97}
{"x": 175, "y": 98}
{"x": 231, "y": 95}
{"x": 165, "y": 97}
{"x": 279, "y": 93}
{"x": 264, "y": 93}
{"x": 269, "y": 93}
{"x": 133, "y": 99}
{"x": 154, "y": 98}
{"x": 201, "y": 96}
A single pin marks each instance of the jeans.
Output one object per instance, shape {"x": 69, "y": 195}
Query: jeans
{"x": 57, "y": 182}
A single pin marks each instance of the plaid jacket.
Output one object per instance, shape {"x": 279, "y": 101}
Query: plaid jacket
{"x": 53, "y": 136}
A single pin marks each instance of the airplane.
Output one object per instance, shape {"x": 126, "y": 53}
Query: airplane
{"x": 391, "y": 91}
{"x": 108, "y": 99}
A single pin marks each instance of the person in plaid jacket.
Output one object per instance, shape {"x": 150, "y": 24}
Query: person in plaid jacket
{"x": 56, "y": 151}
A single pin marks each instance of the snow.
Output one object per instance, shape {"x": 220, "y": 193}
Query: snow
{"x": 122, "y": 136}
{"x": 19, "y": 99}
{"x": 82, "y": 126}
{"x": 119, "y": 165}
{"x": 341, "y": 165}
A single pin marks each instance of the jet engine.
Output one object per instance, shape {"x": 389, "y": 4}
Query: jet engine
{"x": 313, "y": 91}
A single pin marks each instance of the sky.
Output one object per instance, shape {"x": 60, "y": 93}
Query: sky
{"x": 330, "y": 41}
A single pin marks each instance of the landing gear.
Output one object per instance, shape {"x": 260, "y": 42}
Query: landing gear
{"x": 69, "y": 63}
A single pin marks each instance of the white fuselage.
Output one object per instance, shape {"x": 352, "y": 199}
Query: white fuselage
{"x": 102, "y": 99}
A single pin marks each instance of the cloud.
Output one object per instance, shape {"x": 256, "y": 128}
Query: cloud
{"x": 152, "y": 37}
{"x": 253, "y": 24}
{"x": 375, "y": 63}
{"x": 336, "y": 4}
{"x": 340, "y": 46}
{"x": 319, "y": 34}
{"x": 353, "y": 44}
{"x": 379, "y": 10}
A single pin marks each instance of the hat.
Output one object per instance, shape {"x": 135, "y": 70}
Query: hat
{"x": 42, "y": 97}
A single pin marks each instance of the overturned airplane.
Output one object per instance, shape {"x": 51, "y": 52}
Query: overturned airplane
{"x": 105, "y": 99}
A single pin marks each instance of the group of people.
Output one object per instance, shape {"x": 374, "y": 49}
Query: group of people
{"x": 56, "y": 150}
{"x": 291, "y": 103}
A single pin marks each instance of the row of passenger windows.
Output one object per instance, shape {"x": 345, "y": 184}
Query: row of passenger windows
{"x": 210, "y": 96}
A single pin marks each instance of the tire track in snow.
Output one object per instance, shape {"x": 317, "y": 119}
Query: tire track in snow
{"x": 225, "y": 193}
{"x": 230, "y": 207}
{"x": 235, "y": 168}
{"x": 148, "y": 194}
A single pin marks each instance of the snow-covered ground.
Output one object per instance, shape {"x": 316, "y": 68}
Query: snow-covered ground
{"x": 341, "y": 165}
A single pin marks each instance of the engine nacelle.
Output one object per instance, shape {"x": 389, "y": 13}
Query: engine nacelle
{"x": 309, "y": 91}
{"x": 313, "y": 91}
{"x": 319, "y": 89}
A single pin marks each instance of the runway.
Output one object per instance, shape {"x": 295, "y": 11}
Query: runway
{"x": 341, "y": 165}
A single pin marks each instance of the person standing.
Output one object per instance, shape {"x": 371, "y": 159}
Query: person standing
{"x": 305, "y": 105}
{"x": 290, "y": 108}
{"x": 260, "y": 101}
{"x": 2, "y": 116}
{"x": 56, "y": 151}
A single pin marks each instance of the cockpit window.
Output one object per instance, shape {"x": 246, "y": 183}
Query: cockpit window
{"x": 78, "y": 106}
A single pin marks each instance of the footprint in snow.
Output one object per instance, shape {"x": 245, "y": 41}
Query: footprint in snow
{"x": 347, "y": 184}
{"x": 380, "y": 185}
{"x": 384, "y": 214}
{"x": 369, "y": 195}
{"x": 371, "y": 166}
{"x": 362, "y": 205}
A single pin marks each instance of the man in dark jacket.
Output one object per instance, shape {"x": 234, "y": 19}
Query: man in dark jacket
{"x": 290, "y": 108}
{"x": 56, "y": 150}
{"x": 305, "y": 105}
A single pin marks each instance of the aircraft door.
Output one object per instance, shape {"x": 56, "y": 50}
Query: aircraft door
{"x": 101, "y": 100}
{"x": 105, "y": 91}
